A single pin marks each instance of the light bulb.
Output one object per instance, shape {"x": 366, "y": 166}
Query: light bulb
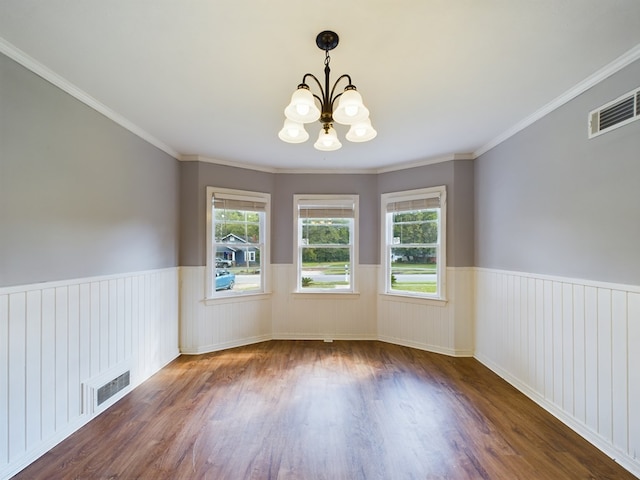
{"x": 351, "y": 110}
{"x": 294, "y": 132}
{"x": 302, "y": 108}
{"x": 361, "y": 131}
{"x": 327, "y": 140}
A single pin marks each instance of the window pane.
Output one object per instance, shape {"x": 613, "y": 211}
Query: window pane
{"x": 414, "y": 269}
{"x": 236, "y": 226}
{"x": 240, "y": 274}
{"x": 325, "y": 231}
{"x": 415, "y": 227}
{"x": 326, "y": 268}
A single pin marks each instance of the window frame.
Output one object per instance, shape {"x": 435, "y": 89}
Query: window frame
{"x": 386, "y": 241}
{"x": 329, "y": 200}
{"x": 264, "y": 241}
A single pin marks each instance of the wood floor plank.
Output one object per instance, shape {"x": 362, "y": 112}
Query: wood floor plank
{"x": 314, "y": 410}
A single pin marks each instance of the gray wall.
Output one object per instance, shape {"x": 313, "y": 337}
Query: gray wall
{"x": 79, "y": 195}
{"x": 195, "y": 177}
{"x": 287, "y": 185}
{"x": 551, "y": 201}
{"x": 456, "y": 175}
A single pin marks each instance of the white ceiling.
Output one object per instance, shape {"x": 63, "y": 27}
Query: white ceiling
{"x": 211, "y": 78}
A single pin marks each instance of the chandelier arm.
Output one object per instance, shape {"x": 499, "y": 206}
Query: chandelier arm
{"x": 304, "y": 80}
{"x": 333, "y": 99}
{"x": 348, "y": 77}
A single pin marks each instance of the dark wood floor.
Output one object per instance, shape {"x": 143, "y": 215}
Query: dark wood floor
{"x": 312, "y": 410}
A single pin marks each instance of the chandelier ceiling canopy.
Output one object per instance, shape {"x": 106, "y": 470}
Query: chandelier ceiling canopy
{"x": 349, "y": 110}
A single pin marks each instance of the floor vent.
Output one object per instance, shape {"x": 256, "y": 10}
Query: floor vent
{"x": 114, "y": 386}
{"x": 105, "y": 389}
{"x": 617, "y": 113}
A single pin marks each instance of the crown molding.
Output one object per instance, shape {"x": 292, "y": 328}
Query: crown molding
{"x": 39, "y": 69}
{"x": 404, "y": 166}
{"x": 618, "y": 64}
{"x": 205, "y": 159}
{"x": 428, "y": 161}
{"x": 31, "y": 64}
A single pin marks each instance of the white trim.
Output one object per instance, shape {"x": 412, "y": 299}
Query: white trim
{"x": 385, "y": 270}
{"x": 618, "y": 64}
{"x": 352, "y": 171}
{"x": 313, "y": 295}
{"x": 427, "y": 348}
{"x": 428, "y": 161}
{"x": 265, "y": 239}
{"x": 633, "y": 95}
{"x": 79, "y": 281}
{"x": 325, "y": 337}
{"x": 36, "y": 67}
{"x": 327, "y": 199}
{"x": 592, "y": 437}
{"x": 225, "y": 345}
{"x": 227, "y": 163}
{"x": 572, "y": 280}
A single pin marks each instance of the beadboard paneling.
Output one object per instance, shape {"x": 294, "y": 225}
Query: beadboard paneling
{"x": 55, "y": 336}
{"x": 438, "y": 327}
{"x": 446, "y": 328}
{"x": 229, "y": 322}
{"x": 320, "y": 315}
{"x": 571, "y": 346}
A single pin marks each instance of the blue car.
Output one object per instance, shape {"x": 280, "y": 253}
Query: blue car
{"x": 225, "y": 280}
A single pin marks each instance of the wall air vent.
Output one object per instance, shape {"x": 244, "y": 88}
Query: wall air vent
{"x": 105, "y": 389}
{"x": 617, "y": 113}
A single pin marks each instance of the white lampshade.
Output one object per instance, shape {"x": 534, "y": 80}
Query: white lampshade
{"x": 302, "y": 108}
{"x": 328, "y": 141}
{"x": 361, "y": 132}
{"x": 293, "y": 132}
{"x": 350, "y": 108}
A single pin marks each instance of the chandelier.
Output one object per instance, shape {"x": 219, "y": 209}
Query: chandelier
{"x": 349, "y": 110}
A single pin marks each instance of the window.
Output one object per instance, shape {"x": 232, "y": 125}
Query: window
{"x": 237, "y": 231}
{"x": 414, "y": 229}
{"x": 325, "y": 242}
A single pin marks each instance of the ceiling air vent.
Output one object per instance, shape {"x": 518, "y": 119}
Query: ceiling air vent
{"x": 617, "y": 113}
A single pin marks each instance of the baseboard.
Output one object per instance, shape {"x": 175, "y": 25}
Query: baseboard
{"x": 428, "y": 348}
{"x": 225, "y": 345}
{"x": 596, "y": 440}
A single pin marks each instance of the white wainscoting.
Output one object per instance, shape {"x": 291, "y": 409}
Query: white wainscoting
{"x": 55, "y": 336}
{"x": 572, "y": 346}
{"x": 434, "y": 326}
{"x": 311, "y": 316}
{"x": 444, "y": 328}
{"x": 226, "y": 323}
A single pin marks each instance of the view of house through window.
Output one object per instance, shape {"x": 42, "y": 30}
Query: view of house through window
{"x": 325, "y": 243}
{"x": 237, "y": 248}
{"x": 414, "y": 242}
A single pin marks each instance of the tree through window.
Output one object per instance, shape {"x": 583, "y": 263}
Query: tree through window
{"x": 414, "y": 246}
{"x": 325, "y": 242}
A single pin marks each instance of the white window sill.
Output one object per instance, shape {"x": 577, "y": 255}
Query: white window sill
{"x": 331, "y": 294}
{"x": 404, "y": 298}
{"x": 237, "y": 297}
